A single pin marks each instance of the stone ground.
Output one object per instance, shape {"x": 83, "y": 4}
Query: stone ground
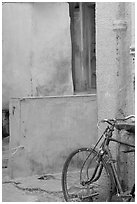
{"x": 44, "y": 188}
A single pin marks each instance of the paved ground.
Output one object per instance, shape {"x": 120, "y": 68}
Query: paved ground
{"x": 32, "y": 189}
{"x": 44, "y": 188}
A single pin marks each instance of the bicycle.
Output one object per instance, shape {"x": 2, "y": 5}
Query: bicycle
{"x": 90, "y": 175}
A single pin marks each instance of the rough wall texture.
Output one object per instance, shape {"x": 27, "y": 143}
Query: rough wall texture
{"x": 106, "y": 60}
{"x": 115, "y": 69}
{"x": 114, "y": 86}
{"x": 45, "y": 130}
{"x": 123, "y": 31}
{"x": 36, "y": 50}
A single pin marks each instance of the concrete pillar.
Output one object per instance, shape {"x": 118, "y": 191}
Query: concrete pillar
{"x": 114, "y": 28}
{"x": 125, "y": 93}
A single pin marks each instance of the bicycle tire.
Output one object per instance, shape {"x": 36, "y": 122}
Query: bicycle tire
{"x": 99, "y": 191}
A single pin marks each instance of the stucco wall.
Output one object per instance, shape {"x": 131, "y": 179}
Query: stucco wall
{"x": 106, "y": 68}
{"x": 36, "y": 50}
{"x": 114, "y": 92}
{"x": 115, "y": 71}
{"x": 45, "y": 130}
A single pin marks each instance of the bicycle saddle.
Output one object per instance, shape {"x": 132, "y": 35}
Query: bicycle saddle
{"x": 130, "y": 127}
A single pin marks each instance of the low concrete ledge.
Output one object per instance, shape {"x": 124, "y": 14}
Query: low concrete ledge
{"x": 84, "y": 95}
{"x": 44, "y": 130}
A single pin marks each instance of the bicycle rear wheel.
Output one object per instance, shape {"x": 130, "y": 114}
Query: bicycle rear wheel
{"x": 98, "y": 191}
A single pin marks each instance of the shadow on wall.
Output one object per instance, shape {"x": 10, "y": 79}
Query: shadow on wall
{"x": 59, "y": 83}
{"x": 51, "y": 70}
{"x": 5, "y": 123}
{"x": 37, "y": 61}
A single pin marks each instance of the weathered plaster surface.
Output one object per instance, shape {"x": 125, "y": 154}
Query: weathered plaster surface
{"x": 47, "y": 130}
{"x": 115, "y": 70}
{"x": 105, "y": 60}
{"x": 36, "y": 50}
{"x": 64, "y": 122}
{"x": 115, "y": 66}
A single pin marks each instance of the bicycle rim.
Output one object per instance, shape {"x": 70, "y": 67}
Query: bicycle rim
{"x": 98, "y": 191}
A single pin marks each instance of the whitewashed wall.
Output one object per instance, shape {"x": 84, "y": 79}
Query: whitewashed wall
{"x": 36, "y": 50}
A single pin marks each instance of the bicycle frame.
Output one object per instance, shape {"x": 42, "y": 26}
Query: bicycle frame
{"x": 95, "y": 176}
{"x": 105, "y": 151}
{"x": 108, "y": 152}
